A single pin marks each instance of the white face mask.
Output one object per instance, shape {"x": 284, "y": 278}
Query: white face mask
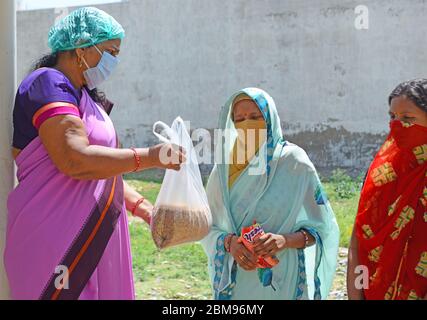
{"x": 97, "y": 75}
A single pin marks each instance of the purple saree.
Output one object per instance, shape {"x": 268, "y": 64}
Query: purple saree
{"x": 62, "y": 228}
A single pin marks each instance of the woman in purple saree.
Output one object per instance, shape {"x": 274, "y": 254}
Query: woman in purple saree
{"x": 67, "y": 233}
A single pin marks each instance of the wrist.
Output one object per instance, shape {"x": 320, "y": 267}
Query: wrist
{"x": 152, "y": 157}
{"x": 143, "y": 214}
{"x": 285, "y": 242}
{"x": 306, "y": 238}
{"x": 292, "y": 240}
{"x": 228, "y": 241}
{"x": 137, "y": 160}
{"x": 135, "y": 206}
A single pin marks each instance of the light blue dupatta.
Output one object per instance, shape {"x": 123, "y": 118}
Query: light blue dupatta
{"x": 281, "y": 190}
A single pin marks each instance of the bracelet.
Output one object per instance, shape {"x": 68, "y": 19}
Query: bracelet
{"x": 141, "y": 200}
{"x": 227, "y": 242}
{"x": 306, "y": 238}
{"x": 137, "y": 160}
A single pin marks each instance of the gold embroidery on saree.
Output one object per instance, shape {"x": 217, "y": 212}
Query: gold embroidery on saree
{"x": 404, "y": 218}
{"x": 420, "y": 153}
{"x": 421, "y": 268}
{"x": 383, "y": 174}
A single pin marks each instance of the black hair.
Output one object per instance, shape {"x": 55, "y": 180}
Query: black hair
{"x": 47, "y": 61}
{"x": 415, "y": 90}
{"x": 50, "y": 60}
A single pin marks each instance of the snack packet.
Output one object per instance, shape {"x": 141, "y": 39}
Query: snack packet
{"x": 248, "y": 236}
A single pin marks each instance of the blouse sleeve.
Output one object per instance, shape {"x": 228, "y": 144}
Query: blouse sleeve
{"x": 49, "y": 95}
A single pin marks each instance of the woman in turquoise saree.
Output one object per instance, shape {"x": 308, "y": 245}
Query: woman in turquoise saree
{"x": 277, "y": 185}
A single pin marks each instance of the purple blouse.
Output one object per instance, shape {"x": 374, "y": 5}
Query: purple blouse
{"x": 44, "y": 93}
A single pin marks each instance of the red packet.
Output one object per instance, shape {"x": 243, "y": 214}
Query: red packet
{"x": 249, "y": 235}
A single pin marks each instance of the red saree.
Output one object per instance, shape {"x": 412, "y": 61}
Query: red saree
{"x": 391, "y": 223}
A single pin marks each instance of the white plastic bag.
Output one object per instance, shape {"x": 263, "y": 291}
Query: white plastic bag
{"x": 181, "y": 213}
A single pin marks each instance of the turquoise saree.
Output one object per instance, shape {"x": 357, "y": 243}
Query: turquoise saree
{"x": 281, "y": 190}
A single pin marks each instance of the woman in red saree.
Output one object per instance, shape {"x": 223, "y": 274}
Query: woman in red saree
{"x": 389, "y": 237}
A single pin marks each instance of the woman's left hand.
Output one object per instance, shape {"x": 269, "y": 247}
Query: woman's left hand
{"x": 144, "y": 211}
{"x": 269, "y": 244}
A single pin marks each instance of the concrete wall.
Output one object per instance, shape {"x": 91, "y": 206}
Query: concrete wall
{"x": 7, "y": 91}
{"x": 330, "y": 81}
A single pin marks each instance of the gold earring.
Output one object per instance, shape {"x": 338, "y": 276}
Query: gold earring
{"x": 80, "y": 62}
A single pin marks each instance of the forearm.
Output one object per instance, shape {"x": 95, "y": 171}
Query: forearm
{"x": 66, "y": 141}
{"x": 135, "y": 202}
{"x": 99, "y": 162}
{"x": 296, "y": 240}
{"x": 131, "y": 196}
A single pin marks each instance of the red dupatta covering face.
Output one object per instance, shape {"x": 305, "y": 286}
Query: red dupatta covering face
{"x": 391, "y": 223}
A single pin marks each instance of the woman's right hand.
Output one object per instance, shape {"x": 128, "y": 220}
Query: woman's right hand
{"x": 167, "y": 156}
{"x": 244, "y": 258}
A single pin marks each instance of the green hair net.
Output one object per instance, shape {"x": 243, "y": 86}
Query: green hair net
{"x": 82, "y": 28}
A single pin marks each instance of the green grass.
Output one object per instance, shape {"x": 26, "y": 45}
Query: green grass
{"x": 343, "y": 193}
{"x": 181, "y": 272}
{"x": 175, "y": 273}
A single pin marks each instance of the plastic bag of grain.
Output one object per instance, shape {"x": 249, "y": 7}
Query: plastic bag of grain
{"x": 181, "y": 213}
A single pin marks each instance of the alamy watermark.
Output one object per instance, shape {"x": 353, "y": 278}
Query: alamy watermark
{"x": 230, "y": 146}
{"x": 361, "y": 22}
{"x": 62, "y": 280}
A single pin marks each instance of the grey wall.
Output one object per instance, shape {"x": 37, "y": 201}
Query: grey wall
{"x": 330, "y": 81}
{"x": 7, "y": 88}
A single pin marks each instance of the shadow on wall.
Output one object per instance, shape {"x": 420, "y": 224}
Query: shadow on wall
{"x": 336, "y": 148}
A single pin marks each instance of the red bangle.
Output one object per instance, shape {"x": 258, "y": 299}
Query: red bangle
{"x": 141, "y": 200}
{"x": 137, "y": 160}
